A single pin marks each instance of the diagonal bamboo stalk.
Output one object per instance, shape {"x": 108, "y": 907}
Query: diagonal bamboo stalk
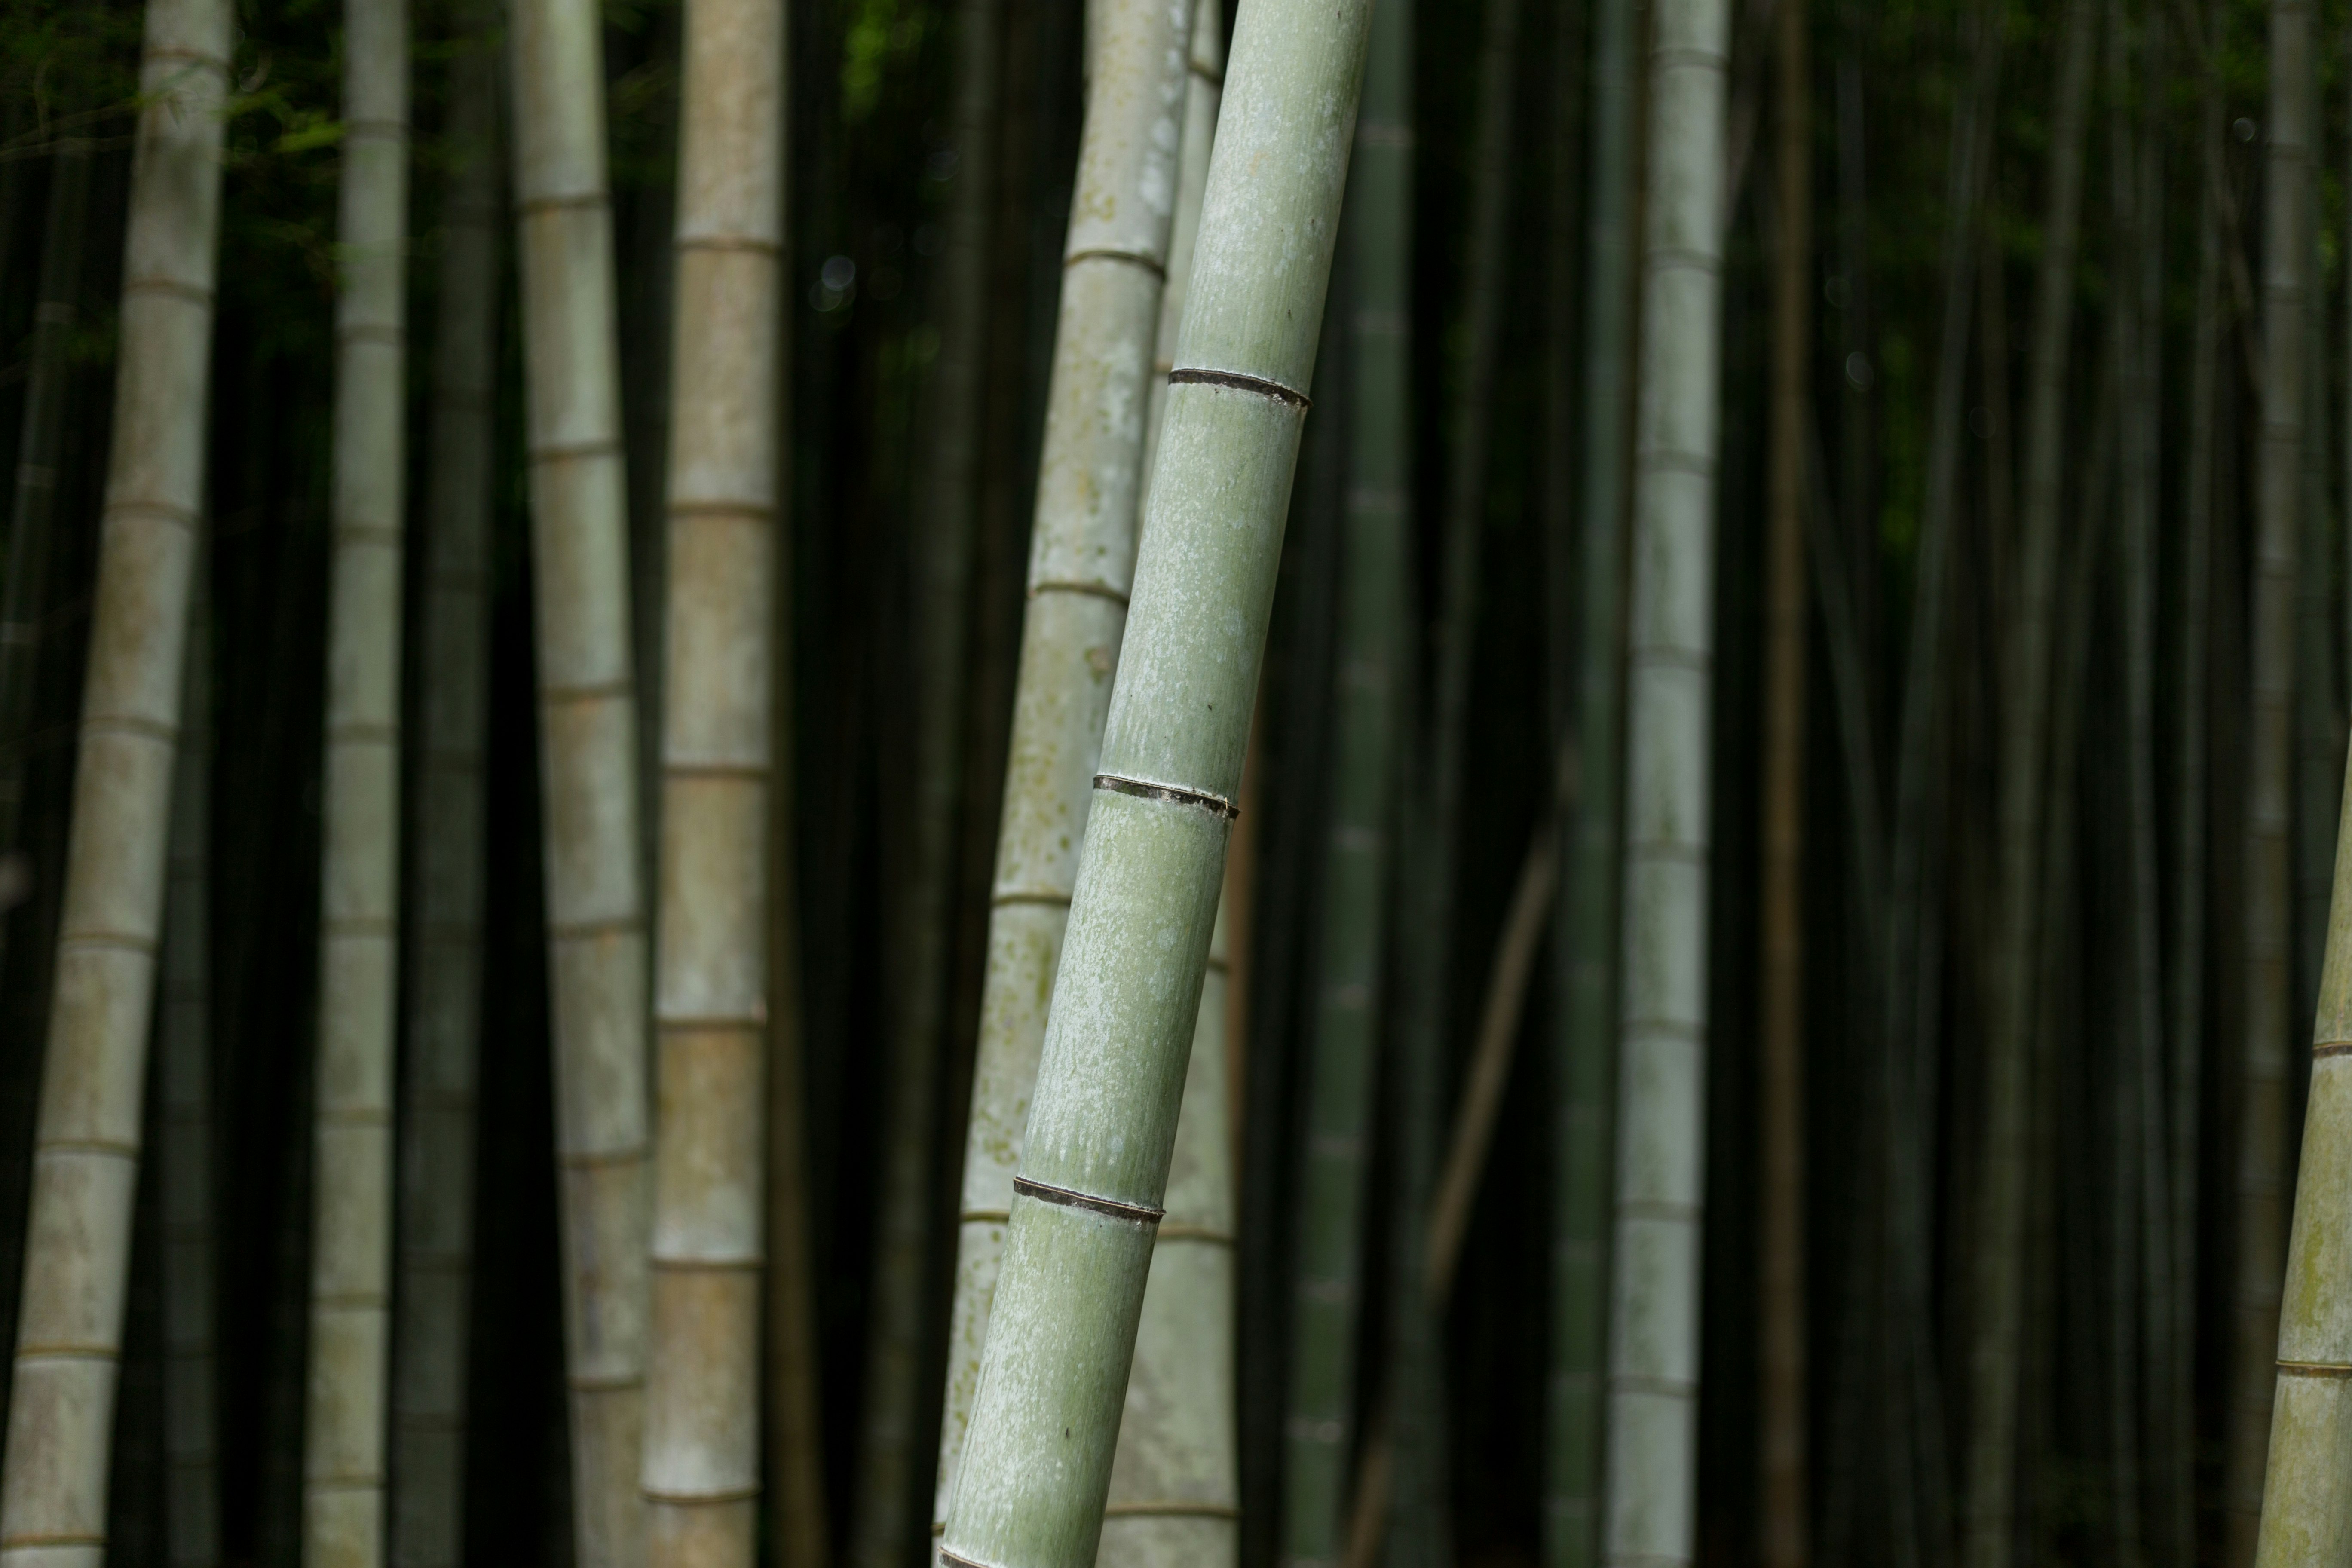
{"x": 588, "y": 755}
{"x": 85, "y": 1141}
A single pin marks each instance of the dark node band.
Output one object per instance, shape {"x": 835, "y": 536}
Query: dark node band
{"x": 1239, "y": 382}
{"x": 1046, "y": 1193}
{"x": 1175, "y": 794}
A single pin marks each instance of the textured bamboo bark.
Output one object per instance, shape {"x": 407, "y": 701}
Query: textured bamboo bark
{"x": 1786, "y": 1537}
{"x": 445, "y": 946}
{"x": 1371, "y": 646}
{"x": 85, "y": 1141}
{"x": 1653, "y": 1364}
{"x": 1201, "y": 90}
{"x": 2307, "y": 1501}
{"x": 1087, "y": 1199}
{"x": 701, "y": 1460}
{"x": 1998, "y": 1275}
{"x": 2259, "y": 1220}
{"x": 588, "y": 756}
{"x": 1081, "y": 564}
{"x": 1584, "y": 1075}
{"x": 184, "y": 1080}
{"x": 344, "y": 1423}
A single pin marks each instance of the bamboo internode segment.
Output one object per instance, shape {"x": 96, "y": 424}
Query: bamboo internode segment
{"x": 701, "y": 1462}
{"x": 86, "y": 1142}
{"x": 445, "y": 938}
{"x": 1111, "y": 1074}
{"x": 1081, "y": 565}
{"x": 1654, "y": 1362}
{"x": 2260, "y": 1230}
{"x": 588, "y": 745}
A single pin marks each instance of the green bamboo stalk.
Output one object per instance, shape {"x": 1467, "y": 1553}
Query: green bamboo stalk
{"x": 701, "y": 1458}
{"x": 430, "y": 1326}
{"x": 1370, "y": 647}
{"x": 85, "y": 1141}
{"x": 2307, "y": 1499}
{"x": 2260, "y": 1227}
{"x": 589, "y": 758}
{"x": 1081, "y": 564}
{"x": 1586, "y": 932}
{"x": 1652, "y": 1476}
{"x": 1997, "y": 1287}
{"x": 344, "y": 1423}
{"x": 185, "y": 1079}
{"x": 1087, "y": 1201}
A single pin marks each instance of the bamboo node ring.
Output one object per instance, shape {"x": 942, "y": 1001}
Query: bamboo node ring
{"x": 1175, "y": 794}
{"x": 1044, "y": 1192}
{"x": 948, "y": 1554}
{"x": 2332, "y": 1049}
{"x": 2314, "y": 1368}
{"x": 1113, "y": 253}
{"x": 1240, "y": 381}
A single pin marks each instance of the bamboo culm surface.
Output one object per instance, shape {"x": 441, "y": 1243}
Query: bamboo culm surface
{"x": 701, "y": 1459}
{"x": 53, "y": 1480}
{"x": 1094, "y": 1170}
{"x": 1081, "y": 566}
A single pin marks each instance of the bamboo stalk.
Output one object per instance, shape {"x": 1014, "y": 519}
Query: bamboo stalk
{"x": 701, "y": 1458}
{"x": 344, "y": 1423}
{"x": 1997, "y": 1284}
{"x": 1370, "y": 647}
{"x": 185, "y": 1079}
{"x": 1783, "y": 1441}
{"x": 589, "y": 758}
{"x": 444, "y": 948}
{"x": 1081, "y": 564}
{"x": 86, "y": 1140}
{"x": 2260, "y": 1229}
{"x": 1652, "y": 1459}
{"x": 1094, "y": 1171}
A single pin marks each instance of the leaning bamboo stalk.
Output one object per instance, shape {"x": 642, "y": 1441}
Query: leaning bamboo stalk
{"x": 445, "y": 941}
{"x": 1652, "y": 1475}
{"x": 588, "y": 755}
{"x": 344, "y": 1427}
{"x": 1369, "y": 662}
{"x": 2260, "y": 1229}
{"x": 701, "y": 1458}
{"x": 1081, "y": 564}
{"x": 2307, "y": 1498}
{"x": 1094, "y": 1171}
{"x": 53, "y": 1480}
{"x": 185, "y": 1077}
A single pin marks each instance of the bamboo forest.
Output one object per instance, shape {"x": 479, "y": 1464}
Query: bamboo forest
{"x": 1175, "y": 783}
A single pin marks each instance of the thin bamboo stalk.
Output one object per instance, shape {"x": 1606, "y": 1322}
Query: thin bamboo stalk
{"x": 1997, "y": 1286}
{"x": 2259, "y": 1220}
{"x": 445, "y": 947}
{"x": 588, "y": 748}
{"x": 344, "y": 1423}
{"x": 1783, "y": 1443}
{"x": 1369, "y": 649}
{"x": 2307, "y": 1500}
{"x": 185, "y": 1079}
{"x": 1081, "y": 564}
{"x": 85, "y": 1141}
{"x": 1087, "y": 1199}
{"x": 701, "y": 1459}
{"x": 1653, "y": 1364}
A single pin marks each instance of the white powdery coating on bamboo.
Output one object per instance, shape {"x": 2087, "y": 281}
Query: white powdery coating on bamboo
{"x": 86, "y": 1140}
{"x": 1654, "y": 1364}
{"x": 588, "y": 744}
{"x": 1081, "y": 564}
{"x": 701, "y": 1458}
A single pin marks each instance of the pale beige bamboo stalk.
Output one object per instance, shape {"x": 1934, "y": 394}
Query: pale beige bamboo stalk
{"x": 588, "y": 755}
{"x": 1202, "y": 87}
{"x": 344, "y": 1423}
{"x": 184, "y": 1039}
{"x": 444, "y": 939}
{"x": 2259, "y": 1235}
{"x": 1081, "y": 561}
{"x": 701, "y": 1463}
{"x": 52, "y": 1478}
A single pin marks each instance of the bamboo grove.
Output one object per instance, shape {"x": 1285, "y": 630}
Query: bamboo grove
{"x": 1269, "y": 784}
